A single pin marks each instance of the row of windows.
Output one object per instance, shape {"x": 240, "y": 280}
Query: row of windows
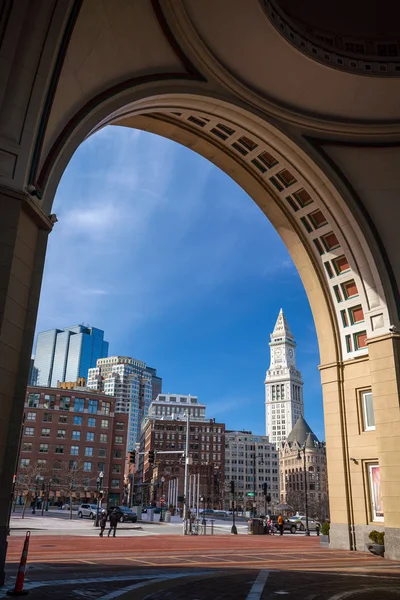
{"x": 75, "y": 435}
{"x": 77, "y": 421}
{"x": 91, "y": 421}
{"x": 65, "y": 403}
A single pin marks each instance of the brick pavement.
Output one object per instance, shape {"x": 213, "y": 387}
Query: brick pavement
{"x": 227, "y": 566}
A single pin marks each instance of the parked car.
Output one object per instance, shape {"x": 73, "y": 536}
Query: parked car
{"x": 125, "y": 513}
{"x": 299, "y": 524}
{"x": 87, "y": 510}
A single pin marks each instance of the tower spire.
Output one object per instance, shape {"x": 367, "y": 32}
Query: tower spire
{"x": 282, "y": 328}
{"x": 283, "y": 383}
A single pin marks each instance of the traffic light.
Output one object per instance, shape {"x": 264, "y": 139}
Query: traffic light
{"x": 151, "y": 456}
{"x": 265, "y": 488}
{"x": 232, "y": 487}
{"x": 132, "y": 457}
{"x": 268, "y": 498}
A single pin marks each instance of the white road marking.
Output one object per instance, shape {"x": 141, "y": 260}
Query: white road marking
{"x": 136, "y": 586}
{"x": 258, "y": 586}
{"x": 87, "y": 580}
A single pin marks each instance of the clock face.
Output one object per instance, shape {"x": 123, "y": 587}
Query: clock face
{"x": 277, "y": 352}
{"x": 290, "y": 353}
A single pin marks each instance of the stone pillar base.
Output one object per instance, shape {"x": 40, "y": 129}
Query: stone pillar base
{"x": 392, "y": 543}
{"x": 339, "y": 537}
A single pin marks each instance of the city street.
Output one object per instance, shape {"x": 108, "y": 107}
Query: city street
{"x": 68, "y": 560}
{"x": 56, "y": 522}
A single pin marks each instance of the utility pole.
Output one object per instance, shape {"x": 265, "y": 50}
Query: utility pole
{"x": 185, "y": 486}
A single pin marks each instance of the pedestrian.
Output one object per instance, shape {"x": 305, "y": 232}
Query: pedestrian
{"x": 281, "y": 523}
{"x": 103, "y": 522}
{"x": 271, "y": 527}
{"x": 114, "y": 518}
{"x": 317, "y": 528}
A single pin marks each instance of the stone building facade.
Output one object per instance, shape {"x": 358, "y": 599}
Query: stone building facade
{"x": 71, "y": 432}
{"x": 206, "y": 454}
{"x": 291, "y": 463}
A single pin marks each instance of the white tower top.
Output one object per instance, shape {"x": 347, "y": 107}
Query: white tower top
{"x": 282, "y": 328}
{"x": 283, "y": 384}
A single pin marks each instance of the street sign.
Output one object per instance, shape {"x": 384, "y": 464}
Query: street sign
{"x": 250, "y": 494}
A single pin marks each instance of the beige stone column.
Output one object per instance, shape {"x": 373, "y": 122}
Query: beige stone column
{"x": 384, "y": 357}
{"x": 23, "y": 239}
{"x": 342, "y": 528}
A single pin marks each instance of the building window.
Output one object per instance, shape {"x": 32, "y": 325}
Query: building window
{"x": 45, "y": 432}
{"x": 65, "y": 403}
{"x": 29, "y": 431}
{"x": 75, "y": 450}
{"x": 77, "y": 420}
{"x": 31, "y": 416}
{"x": 49, "y": 401}
{"x": 105, "y": 408}
{"x": 25, "y": 462}
{"x": 119, "y": 425}
{"x": 104, "y": 424}
{"x": 79, "y": 404}
{"x": 103, "y": 438}
{"x": 119, "y": 439}
{"x": 116, "y": 469}
{"x": 47, "y": 417}
{"x": 88, "y": 451}
{"x": 368, "y": 411}
{"x": 117, "y": 454}
{"x": 102, "y": 452}
{"x": 61, "y": 433}
{"x": 90, "y": 436}
{"x": 87, "y": 466}
{"x": 59, "y": 449}
{"x": 91, "y": 422}
{"x": 92, "y": 407}
{"x": 57, "y": 465}
{"x": 27, "y": 447}
{"x": 33, "y": 400}
{"x": 63, "y": 419}
{"x": 76, "y": 435}
{"x": 375, "y": 493}
{"x": 43, "y": 448}
{"x": 101, "y": 466}
{"x": 115, "y": 483}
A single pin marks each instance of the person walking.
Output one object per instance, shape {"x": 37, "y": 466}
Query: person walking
{"x": 281, "y": 522}
{"x": 114, "y": 518}
{"x": 102, "y": 522}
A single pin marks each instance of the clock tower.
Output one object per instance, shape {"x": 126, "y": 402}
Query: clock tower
{"x": 283, "y": 384}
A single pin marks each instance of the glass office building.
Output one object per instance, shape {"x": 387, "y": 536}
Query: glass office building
{"x": 67, "y": 354}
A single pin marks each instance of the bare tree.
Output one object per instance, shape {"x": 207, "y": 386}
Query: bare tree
{"x": 72, "y": 479}
{"x": 28, "y": 482}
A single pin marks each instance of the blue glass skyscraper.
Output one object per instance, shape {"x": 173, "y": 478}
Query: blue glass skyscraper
{"x": 67, "y": 354}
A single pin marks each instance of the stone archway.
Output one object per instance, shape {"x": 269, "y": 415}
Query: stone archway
{"x": 270, "y": 149}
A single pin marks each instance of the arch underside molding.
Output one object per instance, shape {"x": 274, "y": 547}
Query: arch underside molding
{"x": 296, "y": 196}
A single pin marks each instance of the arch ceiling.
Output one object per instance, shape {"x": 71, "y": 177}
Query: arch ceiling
{"x": 227, "y": 75}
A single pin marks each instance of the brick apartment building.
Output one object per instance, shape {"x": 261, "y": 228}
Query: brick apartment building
{"x": 206, "y": 451}
{"x": 68, "y": 438}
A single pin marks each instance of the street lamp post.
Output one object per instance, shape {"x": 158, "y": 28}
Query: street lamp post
{"x": 303, "y": 450}
{"x": 99, "y": 483}
{"x": 162, "y": 499}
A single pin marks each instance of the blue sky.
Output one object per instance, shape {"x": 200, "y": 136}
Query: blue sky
{"x": 181, "y": 269}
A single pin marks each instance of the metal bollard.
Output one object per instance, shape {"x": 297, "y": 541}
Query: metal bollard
{"x": 212, "y": 526}
{"x": 204, "y": 524}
